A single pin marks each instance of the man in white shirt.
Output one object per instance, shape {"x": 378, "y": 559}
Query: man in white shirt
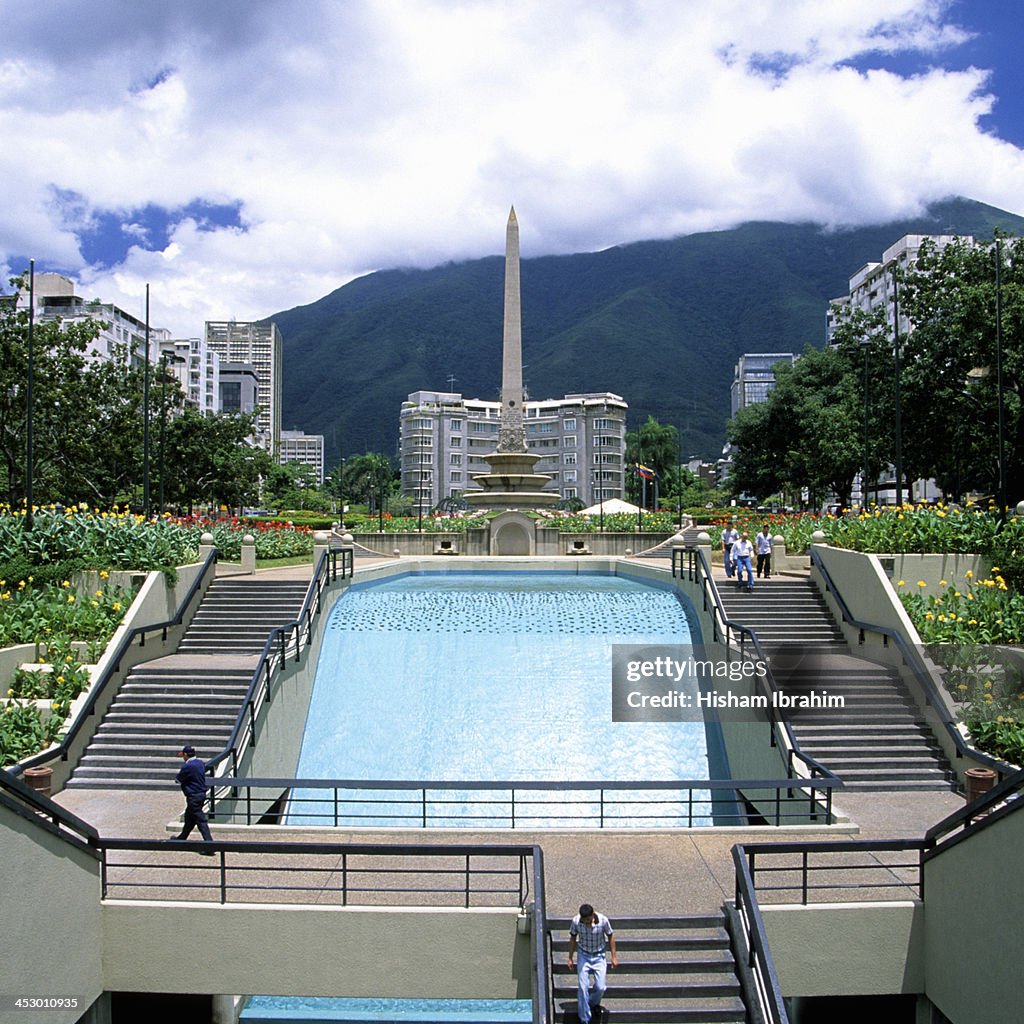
{"x": 588, "y": 934}
{"x": 743, "y": 553}
{"x": 764, "y": 553}
{"x": 729, "y": 537}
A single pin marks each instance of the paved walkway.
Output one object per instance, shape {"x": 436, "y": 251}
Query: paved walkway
{"x": 621, "y": 872}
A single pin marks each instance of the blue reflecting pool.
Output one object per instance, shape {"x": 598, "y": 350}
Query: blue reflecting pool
{"x": 491, "y": 676}
{"x": 266, "y": 1009}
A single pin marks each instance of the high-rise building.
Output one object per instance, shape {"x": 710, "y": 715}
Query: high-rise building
{"x": 446, "y": 440}
{"x": 55, "y": 298}
{"x": 308, "y": 449}
{"x": 754, "y": 377}
{"x": 259, "y": 345}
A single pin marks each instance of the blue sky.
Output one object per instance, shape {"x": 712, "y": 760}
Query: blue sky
{"x": 243, "y": 158}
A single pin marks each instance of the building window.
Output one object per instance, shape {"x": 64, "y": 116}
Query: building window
{"x": 455, "y": 476}
{"x": 569, "y": 441}
{"x": 570, "y": 475}
{"x": 603, "y": 424}
{"x": 455, "y": 424}
{"x": 455, "y": 442}
{"x": 547, "y": 428}
{"x": 569, "y": 423}
{"x": 570, "y": 458}
{"x": 568, "y": 492}
{"x": 455, "y": 459}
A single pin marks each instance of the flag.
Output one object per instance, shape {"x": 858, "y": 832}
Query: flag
{"x": 646, "y": 472}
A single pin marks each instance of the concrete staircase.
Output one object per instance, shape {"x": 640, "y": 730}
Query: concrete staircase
{"x": 193, "y": 696}
{"x": 879, "y": 739}
{"x": 671, "y": 969}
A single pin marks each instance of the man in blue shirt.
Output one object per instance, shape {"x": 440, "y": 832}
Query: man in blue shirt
{"x": 192, "y": 779}
{"x": 588, "y": 934}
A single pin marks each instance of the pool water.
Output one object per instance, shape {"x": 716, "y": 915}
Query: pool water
{"x": 267, "y": 1009}
{"x": 491, "y": 676}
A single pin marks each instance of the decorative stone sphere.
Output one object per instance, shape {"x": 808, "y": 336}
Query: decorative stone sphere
{"x": 397, "y": 553}
{"x": 346, "y": 538}
{"x": 206, "y": 538}
{"x": 320, "y": 537}
{"x": 1019, "y": 510}
{"x": 629, "y": 552}
{"x": 703, "y": 538}
{"x": 248, "y": 539}
{"x": 818, "y": 537}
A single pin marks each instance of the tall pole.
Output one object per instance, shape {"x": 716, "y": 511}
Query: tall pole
{"x": 896, "y": 353}
{"x": 145, "y": 418}
{"x": 163, "y": 419}
{"x": 1001, "y": 426}
{"x": 29, "y": 409}
{"x": 866, "y": 345}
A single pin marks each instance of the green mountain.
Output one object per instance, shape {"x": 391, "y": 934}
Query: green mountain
{"x": 660, "y": 323}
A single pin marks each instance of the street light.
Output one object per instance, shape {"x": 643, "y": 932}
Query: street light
{"x": 896, "y": 353}
{"x": 145, "y": 418}
{"x": 866, "y": 346}
{"x": 29, "y": 453}
{"x": 1001, "y": 426}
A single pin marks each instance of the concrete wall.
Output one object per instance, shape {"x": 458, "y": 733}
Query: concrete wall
{"x": 50, "y": 908}
{"x": 974, "y": 928}
{"x": 849, "y": 949}
{"x": 411, "y": 952}
{"x": 550, "y": 542}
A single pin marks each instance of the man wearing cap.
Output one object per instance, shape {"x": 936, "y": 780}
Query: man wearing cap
{"x": 192, "y": 779}
{"x": 588, "y": 934}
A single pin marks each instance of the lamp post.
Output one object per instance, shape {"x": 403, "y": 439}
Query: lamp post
{"x": 145, "y": 418}
{"x": 866, "y": 346}
{"x": 896, "y": 355}
{"x": 29, "y": 452}
{"x": 1000, "y": 421}
{"x": 163, "y": 423}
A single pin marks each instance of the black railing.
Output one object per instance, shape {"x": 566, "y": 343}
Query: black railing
{"x": 767, "y": 992}
{"x": 809, "y": 872}
{"x": 912, "y": 659}
{"x": 342, "y": 874}
{"x": 542, "y": 979}
{"x": 735, "y": 635}
{"x": 689, "y": 803}
{"x": 43, "y": 812}
{"x": 138, "y": 634}
{"x": 285, "y": 642}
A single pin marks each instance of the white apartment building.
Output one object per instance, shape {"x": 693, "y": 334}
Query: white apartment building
{"x": 308, "y": 449}
{"x": 55, "y": 298}
{"x": 873, "y": 286}
{"x": 259, "y": 345}
{"x": 445, "y": 441}
{"x": 196, "y": 369}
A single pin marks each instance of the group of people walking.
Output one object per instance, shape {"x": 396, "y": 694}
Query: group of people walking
{"x": 738, "y": 553}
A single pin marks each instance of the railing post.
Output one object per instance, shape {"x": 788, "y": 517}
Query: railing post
{"x": 423, "y": 806}
{"x": 467, "y": 880}
{"x": 223, "y": 877}
{"x": 513, "y": 807}
{"x": 803, "y": 877}
{"x": 335, "y": 806}
{"x": 344, "y": 879}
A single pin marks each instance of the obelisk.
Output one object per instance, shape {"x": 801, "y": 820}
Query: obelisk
{"x": 512, "y": 483}
{"x": 512, "y": 437}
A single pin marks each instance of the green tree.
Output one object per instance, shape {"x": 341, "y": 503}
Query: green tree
{"x": 656, "y": 446}
{"x": 368, "y": 479}
{"x": 213, "y": 462}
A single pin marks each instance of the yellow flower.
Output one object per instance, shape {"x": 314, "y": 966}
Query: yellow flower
{"x": 943, "y": 583}
{"x": 104, "y": 575}
{"x": 66, "y": 584}
{"x": 117, "y": 606}
{"x": 988, "y": 684}
{"x": 900, "y": 583}
{"x": 71, "y": 598}
{"x": 60, "y": 679}
{"x": 972, "y": 622}
{"x": 969, "y": 574}
{"x": 929, "y": 616}
{"x": 963, "y": 687}
{"x": 98, "y": 593}
{"x": 921, "y": 583}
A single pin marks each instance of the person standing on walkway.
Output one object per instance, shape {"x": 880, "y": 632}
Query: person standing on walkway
{"x": 743, "y": 553}
{"x": 764, "y": 553}
{"x": 589, "y": 934}
{"x": 192, "y": 779}
{"x": 729, "y": 537}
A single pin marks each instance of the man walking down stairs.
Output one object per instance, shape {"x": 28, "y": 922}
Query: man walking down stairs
{"x": 878, "y": 739}
{"x": 671, "y": 969}
{"x": 193, "y": 695}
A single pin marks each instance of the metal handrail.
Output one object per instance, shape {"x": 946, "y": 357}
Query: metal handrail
{"x": 811, "y": 798}
{"x": 924, "y": 679}
{"x": 88, "y": 708}
{"x": 699, "y": 572}
{"x": 345, "y": 877}
{"x": 26, "y": 802}
{"x": 978, "y": 814}
{"x": 759, "y": 956}
{"x": 543, "y": 987}
{"x": 283, "y": 640}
